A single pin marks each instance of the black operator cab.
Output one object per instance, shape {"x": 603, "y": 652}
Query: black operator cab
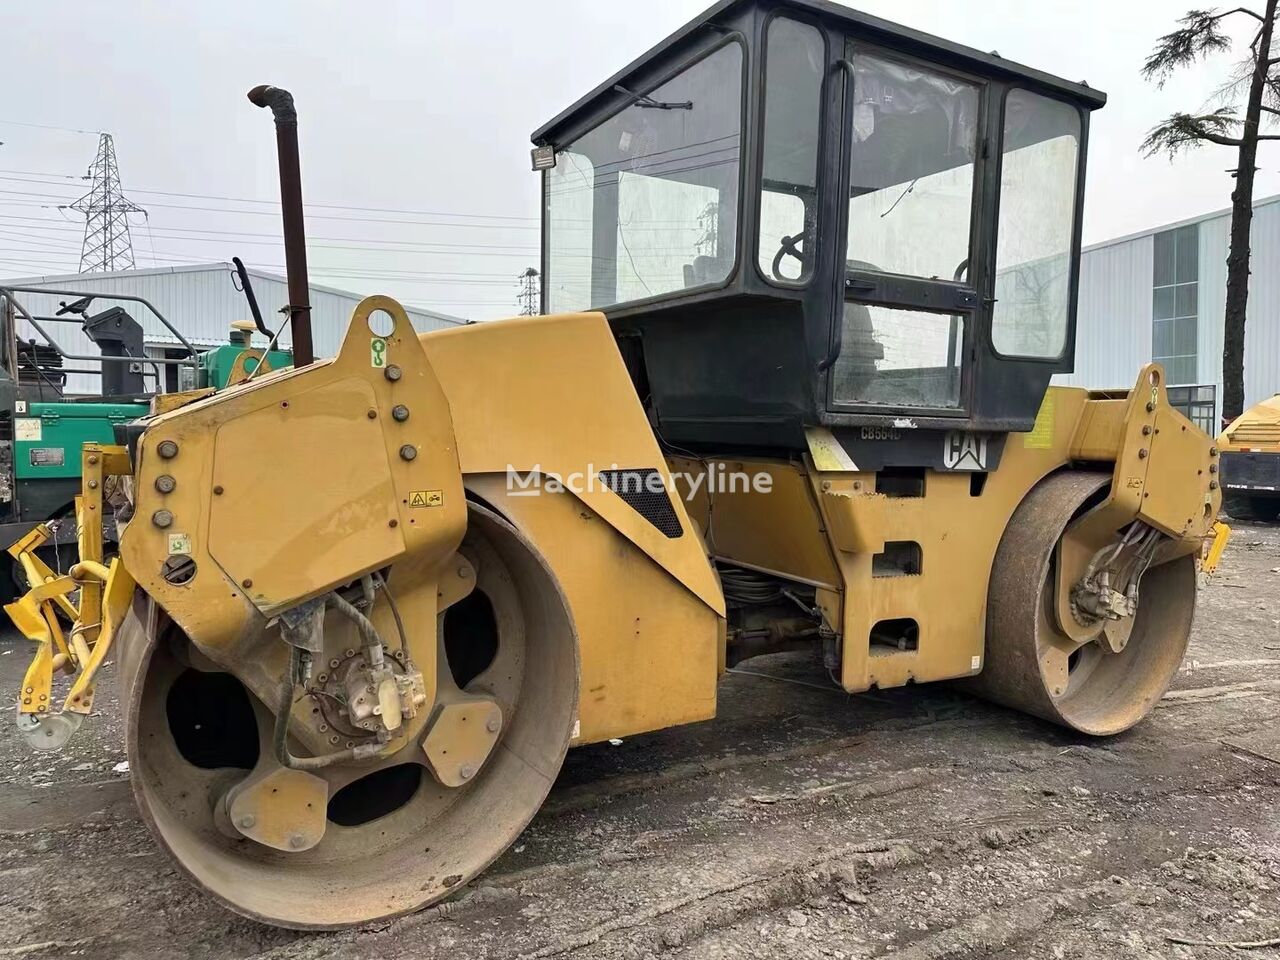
{"x": 798, "y": 216}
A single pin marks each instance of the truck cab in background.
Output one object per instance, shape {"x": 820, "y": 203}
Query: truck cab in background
{"x": 1251, "y": 463}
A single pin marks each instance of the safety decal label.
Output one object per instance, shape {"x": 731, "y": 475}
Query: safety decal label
{"x": 1041, "y": 435}
{"x": 180, "y": 544}
{"x": 27, "y": 428}
{"x": 378, "y": 352}
{"x": 426, "y": 498}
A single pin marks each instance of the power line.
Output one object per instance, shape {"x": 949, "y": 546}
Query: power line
{"x": 443, "y": 278}
{"x": 34, "y": 223}
{"x": 22, "y": 175}
{"x": 44, "y": 223}
{"x": 417, "y": 248}
{"x": 349, "y": 272}
{"x": 586, "y": 226}
{"x": 207, "y": 236}
{"x": 58, "y": 269}
{"x": 16, "y": 234}
{"x": 49, "y": 126}
{"x": 312, "y": 216}
{"x": 47, "y": 265}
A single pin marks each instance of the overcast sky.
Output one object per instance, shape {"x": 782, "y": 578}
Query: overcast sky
{"x": 427, "y": 107}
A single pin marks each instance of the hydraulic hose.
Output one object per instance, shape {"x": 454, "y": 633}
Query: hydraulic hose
{"x": 299, "y": 667}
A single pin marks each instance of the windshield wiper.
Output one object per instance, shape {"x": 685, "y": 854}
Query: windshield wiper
{"x": 646, "y": 101}
{"x": 911, "y": 186}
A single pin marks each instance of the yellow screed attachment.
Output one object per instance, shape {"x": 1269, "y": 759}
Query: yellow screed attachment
{"x": 104, "y": 594}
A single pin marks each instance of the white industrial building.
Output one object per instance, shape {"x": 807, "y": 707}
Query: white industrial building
{"x": 1160, "y": 294}
{"x": 201, "y": 301}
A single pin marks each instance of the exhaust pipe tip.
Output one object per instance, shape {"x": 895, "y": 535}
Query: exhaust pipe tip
{"x": 278, "y": 99}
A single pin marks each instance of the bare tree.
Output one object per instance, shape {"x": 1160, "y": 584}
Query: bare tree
{"x": 1199, "y": 36}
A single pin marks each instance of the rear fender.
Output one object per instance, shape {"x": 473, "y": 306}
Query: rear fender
{"x": 542, "y": 399}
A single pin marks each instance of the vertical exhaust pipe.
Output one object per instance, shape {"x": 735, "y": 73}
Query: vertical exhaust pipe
{"x": 295, "y": 239}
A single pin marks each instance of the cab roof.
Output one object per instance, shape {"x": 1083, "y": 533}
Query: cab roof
{"x": 873, "y": 28}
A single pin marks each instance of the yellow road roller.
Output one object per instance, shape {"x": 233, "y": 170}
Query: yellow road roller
{"x": 807, "y": 276}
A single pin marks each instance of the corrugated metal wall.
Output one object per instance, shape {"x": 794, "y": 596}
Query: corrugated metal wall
{"x": 1211, "y": 300}
{"x": 200, "y": 301}
{"x": 1262, "y": 330}
{"x": 1114, "y": 319}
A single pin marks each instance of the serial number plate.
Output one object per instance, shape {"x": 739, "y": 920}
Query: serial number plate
{"x": 881, "y": 433}
{"x": 48, "y": 457}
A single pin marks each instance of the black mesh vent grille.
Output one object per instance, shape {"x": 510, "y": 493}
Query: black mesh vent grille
{"x": 644, "y": 491}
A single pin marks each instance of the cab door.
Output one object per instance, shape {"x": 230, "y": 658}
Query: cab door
{"x": 914, "y": 171}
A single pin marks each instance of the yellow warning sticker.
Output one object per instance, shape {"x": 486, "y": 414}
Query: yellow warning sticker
{"x": 1041, "y": 435}
{"x": 426, "y": 498}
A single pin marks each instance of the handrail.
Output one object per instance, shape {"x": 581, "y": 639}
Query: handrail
{"x": 7, "y": 293}
{"x": 9, "y": 290}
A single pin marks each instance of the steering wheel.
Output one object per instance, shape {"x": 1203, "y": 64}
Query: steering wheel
{"x": 787, "y": 247}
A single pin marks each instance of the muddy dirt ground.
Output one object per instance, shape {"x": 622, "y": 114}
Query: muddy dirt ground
{"x": 802, "y": 822}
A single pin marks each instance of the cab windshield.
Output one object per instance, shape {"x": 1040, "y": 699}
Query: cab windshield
{"x": 915, "y": 139}
{"x": 646, "y": 203}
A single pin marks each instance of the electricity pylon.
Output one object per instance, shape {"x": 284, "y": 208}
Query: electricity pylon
{"x": 107, "y": 244}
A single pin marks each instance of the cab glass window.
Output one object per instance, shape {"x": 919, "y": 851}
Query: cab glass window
{"x": 646, "y": 203}
{"x": 794, "y": 59}
{"x": 1038, "y": 174}
{"x": 915, "y": 137}
{"x": 898, "y": 358}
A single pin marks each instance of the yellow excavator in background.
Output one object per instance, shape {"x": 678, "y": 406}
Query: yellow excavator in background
{"x": 807, "y": 276}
